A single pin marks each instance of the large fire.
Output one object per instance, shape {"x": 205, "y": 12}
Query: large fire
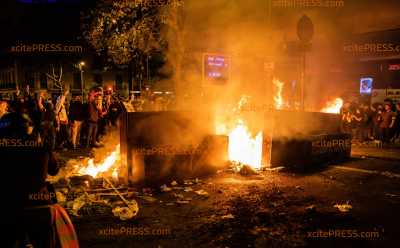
{"x": 109, "y": 162}
{"x": 333, "y": 107}
{"x": 243, "y": 147}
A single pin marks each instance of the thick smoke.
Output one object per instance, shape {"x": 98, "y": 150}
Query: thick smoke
{"x": 253, "y": 32}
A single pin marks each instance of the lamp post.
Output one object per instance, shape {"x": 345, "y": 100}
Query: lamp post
{"x": 147, "y": 69}
{"x": 81, "y": 65}
{"x": 305, "y": 33}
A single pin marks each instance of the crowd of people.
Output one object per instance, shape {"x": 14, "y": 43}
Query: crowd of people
{"x": 32, "y": 126}
{"x": 65, "y": 120}
{"x": 378, "y": 122}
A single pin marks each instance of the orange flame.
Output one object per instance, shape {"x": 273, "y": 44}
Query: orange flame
{"x": 115, "y": 174}
{"x": 333, "y": 107}
{"x": 243, "y": 148}
{"x": 94, "y": 170}
{"x": 278, "y": 99}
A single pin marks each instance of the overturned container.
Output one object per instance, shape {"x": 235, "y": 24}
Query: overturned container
{"x": 304, "y": 139}
{"x": 166, "y": 145}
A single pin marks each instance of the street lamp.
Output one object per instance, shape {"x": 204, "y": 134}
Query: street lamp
{"x": 147, "y": 69}
{"x": 81, "y": 65}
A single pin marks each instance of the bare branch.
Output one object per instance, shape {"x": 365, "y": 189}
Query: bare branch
{"x": 61, "y": 73}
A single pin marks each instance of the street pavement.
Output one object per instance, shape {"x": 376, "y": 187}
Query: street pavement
{"x": 352, "y": 204}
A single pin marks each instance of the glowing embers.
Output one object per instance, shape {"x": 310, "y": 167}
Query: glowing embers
{"x": 333, "y": 107}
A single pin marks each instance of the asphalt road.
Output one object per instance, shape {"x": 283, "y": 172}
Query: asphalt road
{"x": 273, "y": 209}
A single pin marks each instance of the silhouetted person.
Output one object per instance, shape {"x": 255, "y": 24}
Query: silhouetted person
{"x": 76, "y": 116}
{"x": 93, "y": 119}
{"x": 387, "y": 124}
{"x": 62, "y": 119}
{"x": 31, "y": 215}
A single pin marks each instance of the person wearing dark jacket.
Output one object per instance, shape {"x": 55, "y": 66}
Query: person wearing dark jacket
{"x": 388, "y": 123}
{"x": 114, "y": 112}
{"x": 49, "y": 124}
{"x": 377, "y": 120}
{"x": 76, "y": 116}
{"x": 93, "y": 118}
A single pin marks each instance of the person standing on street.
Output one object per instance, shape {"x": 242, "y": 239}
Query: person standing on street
{"x": 93, "y": 119}
{"x": 387, "y": 124}
{"x": 76, "y": 116}
{"x": 62, "y": 120}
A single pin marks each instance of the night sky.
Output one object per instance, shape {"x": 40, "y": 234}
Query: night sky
{"x": 59, "y": 19}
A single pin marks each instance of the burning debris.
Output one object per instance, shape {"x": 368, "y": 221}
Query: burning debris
{"x": 87, "y": 187}
{"x": 87, "y": 200}
{"x": 278, "y": 99}
{"x": 91, "y": 180}
{"x": 344, "y": 208}
{"x": 106, "y": 165}
{"x": 333, "y": 107}
{"x": 244, "y": 148}
{"x": 88, "y": 183}
{"x": 247, "y": 171}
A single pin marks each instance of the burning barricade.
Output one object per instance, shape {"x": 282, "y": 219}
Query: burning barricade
{"x": 154, "y": 148}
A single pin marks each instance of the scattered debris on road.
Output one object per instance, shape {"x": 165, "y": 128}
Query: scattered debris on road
{"x": 343, "y": 207}
{"x": 228, "y": 216}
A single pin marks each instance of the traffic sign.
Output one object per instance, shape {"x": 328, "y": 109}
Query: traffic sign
{"x": 305, "y": 29}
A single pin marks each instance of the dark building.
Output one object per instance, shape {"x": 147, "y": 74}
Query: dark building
{"x": 376, "y": 55}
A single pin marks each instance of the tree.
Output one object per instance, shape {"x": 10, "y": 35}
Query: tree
{"x": 57, "y": 79}
{"x": 124, "y": 31}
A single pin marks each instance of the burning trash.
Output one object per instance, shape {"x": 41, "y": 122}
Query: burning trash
{"x": 247, "y": 171}
{"x": 333, "y": 107}
{"x": 344, "y": 208}
{"x": 244, "y": 148}
{"x": 94, "y": 170}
